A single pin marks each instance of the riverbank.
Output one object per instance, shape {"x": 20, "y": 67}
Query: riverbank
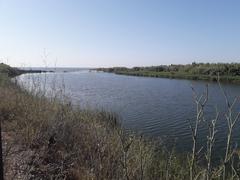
{"x": 196, "y": 71}
{"x": 49, "y": 138}
{"x": 12, "y": 72}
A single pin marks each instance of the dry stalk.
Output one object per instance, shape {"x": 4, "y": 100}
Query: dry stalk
{"x": 200, "y": 103}
{"x": 210, "y": 144}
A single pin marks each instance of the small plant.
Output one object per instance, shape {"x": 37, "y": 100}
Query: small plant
{"x": 210, "y": 144}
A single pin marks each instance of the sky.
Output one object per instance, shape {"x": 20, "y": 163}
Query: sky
{"x": 105, "y": 33}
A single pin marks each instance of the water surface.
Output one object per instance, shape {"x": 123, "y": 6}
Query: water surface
{"x": 156, "y": 107}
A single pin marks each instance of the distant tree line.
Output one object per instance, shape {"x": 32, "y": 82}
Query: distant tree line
{"x": 212, "y": 69}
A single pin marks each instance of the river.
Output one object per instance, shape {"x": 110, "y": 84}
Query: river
{"x": 155, "y": 107}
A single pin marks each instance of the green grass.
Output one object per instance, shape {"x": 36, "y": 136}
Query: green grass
{"x": 180, "y": 75}
{"x": 229, "y": 72}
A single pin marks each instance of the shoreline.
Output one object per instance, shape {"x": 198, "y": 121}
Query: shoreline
{"x": 183, "y": 77}
{"x": 228, "y": 72}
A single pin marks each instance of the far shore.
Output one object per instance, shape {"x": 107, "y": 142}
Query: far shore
{"x": 227, "y": 72}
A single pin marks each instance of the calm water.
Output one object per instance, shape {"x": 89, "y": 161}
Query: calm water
{"x": 156, "y": 107}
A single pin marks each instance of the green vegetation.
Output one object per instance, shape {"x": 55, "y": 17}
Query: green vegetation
{"x": 9, "y": 71}
{"x": 6, "y": 70}
{"x": 194, "y": 71}
{"x": 49, "y": 138}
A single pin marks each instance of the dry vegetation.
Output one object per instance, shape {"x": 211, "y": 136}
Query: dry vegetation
{"x": 49, "y": 138}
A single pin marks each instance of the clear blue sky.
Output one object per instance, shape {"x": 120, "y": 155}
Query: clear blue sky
{"x": 118, "y": 32}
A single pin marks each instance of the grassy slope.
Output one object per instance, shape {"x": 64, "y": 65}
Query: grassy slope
{"x": 11, "y": 72}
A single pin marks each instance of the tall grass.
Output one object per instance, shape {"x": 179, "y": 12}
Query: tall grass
{"x": 49, "y": 138}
